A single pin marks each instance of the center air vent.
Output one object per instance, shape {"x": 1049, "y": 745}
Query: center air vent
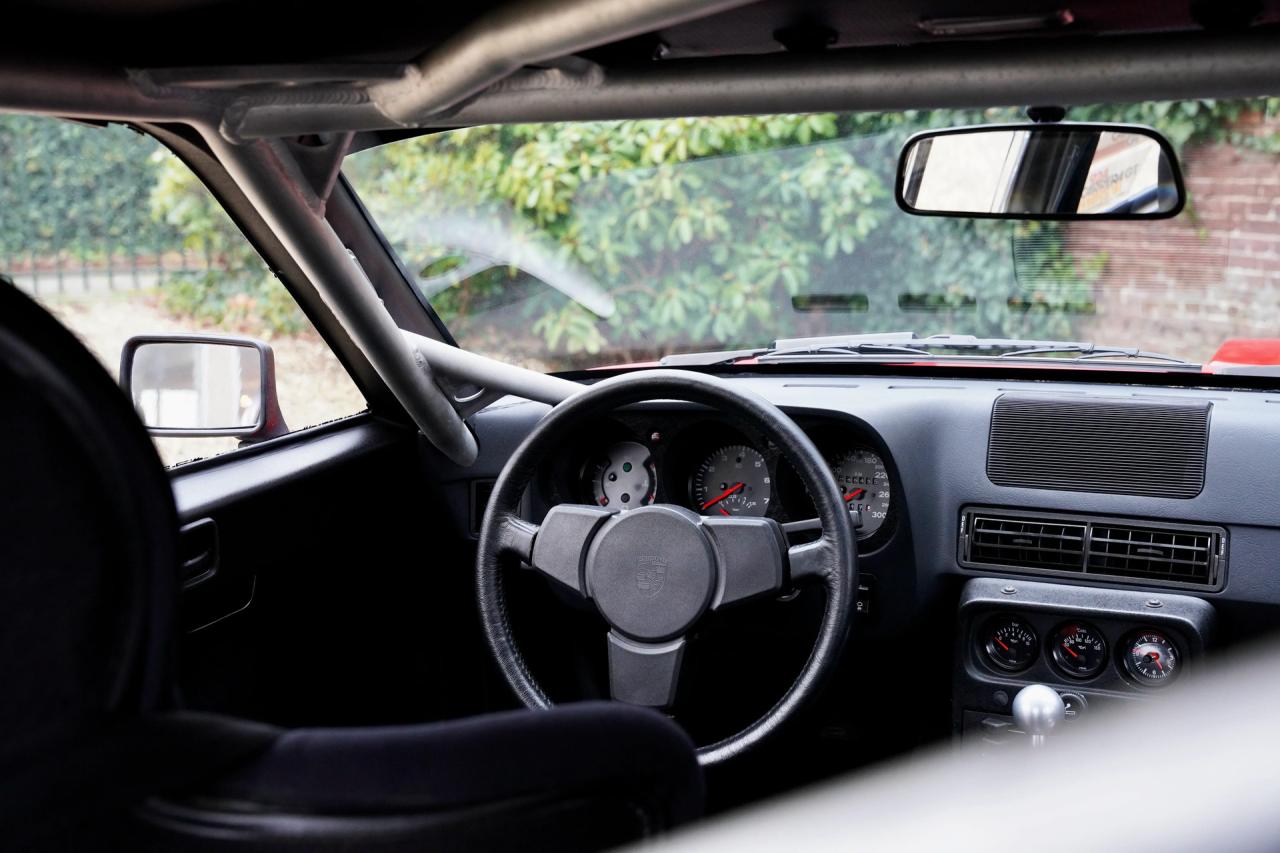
{"x": 1026, "y": 542}
{"x": 1149, "y": 552}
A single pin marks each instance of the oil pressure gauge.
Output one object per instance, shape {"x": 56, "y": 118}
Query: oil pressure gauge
{"x": 1009, "y": 643}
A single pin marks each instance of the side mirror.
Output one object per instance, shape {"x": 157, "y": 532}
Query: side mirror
{"x": 1041, "y": 171}
{"x": 203, "y": 385}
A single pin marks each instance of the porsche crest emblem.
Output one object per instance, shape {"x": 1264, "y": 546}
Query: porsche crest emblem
{"x": 651, "y": 573}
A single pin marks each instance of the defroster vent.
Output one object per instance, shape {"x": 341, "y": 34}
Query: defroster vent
{"x": 1147, "y": 552}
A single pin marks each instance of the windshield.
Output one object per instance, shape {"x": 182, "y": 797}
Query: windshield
{"x": 574, "y": 245}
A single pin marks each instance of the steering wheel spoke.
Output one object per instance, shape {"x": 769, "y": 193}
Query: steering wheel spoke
{"x": 811, "y": 560}
{"x": 644, "y": 673}
{"x": 752, "y": 557}
{"x": 560, "y": 543}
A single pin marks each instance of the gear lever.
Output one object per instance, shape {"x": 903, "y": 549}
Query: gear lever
{"x": 1038, "y": 710}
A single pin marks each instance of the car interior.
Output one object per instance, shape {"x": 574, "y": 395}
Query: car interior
{"x": 844, "y": 587}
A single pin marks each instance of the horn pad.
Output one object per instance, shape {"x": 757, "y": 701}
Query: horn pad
{"x": 652, "y": 571}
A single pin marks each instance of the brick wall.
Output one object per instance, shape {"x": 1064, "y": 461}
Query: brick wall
{"x": 1182, "y": 286}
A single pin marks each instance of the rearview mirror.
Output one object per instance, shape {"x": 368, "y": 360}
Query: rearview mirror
{"x": 203, "y": 385}
{"x": 1041, "y": 171}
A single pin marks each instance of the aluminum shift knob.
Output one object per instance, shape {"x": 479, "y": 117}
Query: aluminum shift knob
{"x": 1038, "y": 710}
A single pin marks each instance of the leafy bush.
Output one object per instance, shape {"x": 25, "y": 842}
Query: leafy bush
{"x": 238, "y": 293}
{"x": 76, "y": 190}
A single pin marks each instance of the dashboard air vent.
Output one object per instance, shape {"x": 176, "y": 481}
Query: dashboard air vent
{"x": 1157, "y": 554}
{"x": 1147, "y": 552}
{"x": 1028, "y": 542}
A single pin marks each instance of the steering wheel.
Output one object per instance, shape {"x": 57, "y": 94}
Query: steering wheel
{"x": 654, "y": 571}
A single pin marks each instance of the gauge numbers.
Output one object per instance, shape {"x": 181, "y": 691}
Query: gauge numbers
{"x": 733, "y": 481}
{"x": 1009, "y": 643}
{"x": 1151, "y": 659}
{"x": 864, "y": 485}
{"x": 1079, "y": 650}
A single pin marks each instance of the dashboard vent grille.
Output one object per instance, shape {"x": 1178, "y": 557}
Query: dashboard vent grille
{"x": 1113, "y": 446}
{"x": 1028, "y": 542}
{"x": 1152, "y": 553}
{"x": 1158, "y": 554}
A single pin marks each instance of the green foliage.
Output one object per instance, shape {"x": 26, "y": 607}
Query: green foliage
{"x": 702, "y": 229}
{"x": 79, "y": 191}
{"x": 96, "y": 194}
{"x": 712, "y": 232}
{"x": 238, "y": 293}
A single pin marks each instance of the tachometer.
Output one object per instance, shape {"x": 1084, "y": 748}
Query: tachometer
{"x": 733, "y": 481}
{"x": 624, "y": 477}
{"x": 864, "y": 483}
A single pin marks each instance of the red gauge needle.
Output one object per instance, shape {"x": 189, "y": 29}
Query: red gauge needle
{"x": 1155, "y": 658}
{"x": 735, "y": 487}
{"x": 1073, "y": 654}
{"x": 1001, "y": 643}
{"x": 856, "y": 493}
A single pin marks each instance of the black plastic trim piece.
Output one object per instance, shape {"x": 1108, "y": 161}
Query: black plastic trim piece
{"x": 980, "y": 370}
{"x": 199, "y": 491}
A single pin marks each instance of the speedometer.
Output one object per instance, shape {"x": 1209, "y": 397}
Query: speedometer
{"x": 864, "y": 484}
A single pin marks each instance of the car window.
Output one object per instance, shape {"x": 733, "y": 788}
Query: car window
{"x": 117, "y": 237}
{"x": 575, "y": 245}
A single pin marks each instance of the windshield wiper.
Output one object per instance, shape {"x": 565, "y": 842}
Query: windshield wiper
{"x": 1090, "y": 351}
{"x": 907, "y": 345}
{"x": 847, "y": 349}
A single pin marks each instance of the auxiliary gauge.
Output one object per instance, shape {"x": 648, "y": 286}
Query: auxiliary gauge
{"x": 1151, "y": 659}
{"x": 1079, "y": 650}
{"x": 1008, "y": 643}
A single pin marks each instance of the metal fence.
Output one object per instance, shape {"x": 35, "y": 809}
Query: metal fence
{"x": 113, "y": 270}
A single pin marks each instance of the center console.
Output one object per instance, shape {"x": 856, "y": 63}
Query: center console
{"x": 1092, "y": 646}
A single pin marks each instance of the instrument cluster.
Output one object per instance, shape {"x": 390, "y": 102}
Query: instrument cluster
{"x": 716, "y": 467}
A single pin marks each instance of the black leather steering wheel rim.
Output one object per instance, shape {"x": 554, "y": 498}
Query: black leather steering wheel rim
{"x": 832, "y": 559}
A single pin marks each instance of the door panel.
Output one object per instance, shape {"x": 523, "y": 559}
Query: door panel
{"x": 341, "y": 594}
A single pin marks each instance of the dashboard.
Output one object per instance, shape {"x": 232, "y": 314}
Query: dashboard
{"x": 1098, "y": 538}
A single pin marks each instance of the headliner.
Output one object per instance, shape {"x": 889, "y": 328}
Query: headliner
{"x": 162, "y": 33}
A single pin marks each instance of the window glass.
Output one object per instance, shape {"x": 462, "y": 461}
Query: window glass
{"x": 574, "y": 245}
{"x": 116, "y": 237}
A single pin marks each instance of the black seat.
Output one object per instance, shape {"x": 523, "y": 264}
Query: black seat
{"x": 96, "y": 753}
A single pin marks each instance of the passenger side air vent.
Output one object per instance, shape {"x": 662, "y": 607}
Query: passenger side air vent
{"x": 1148, "y": 552}
{"x": 1159, "y": 554}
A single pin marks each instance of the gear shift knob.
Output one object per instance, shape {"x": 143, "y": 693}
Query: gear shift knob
{"x": 1038, "y": 710}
